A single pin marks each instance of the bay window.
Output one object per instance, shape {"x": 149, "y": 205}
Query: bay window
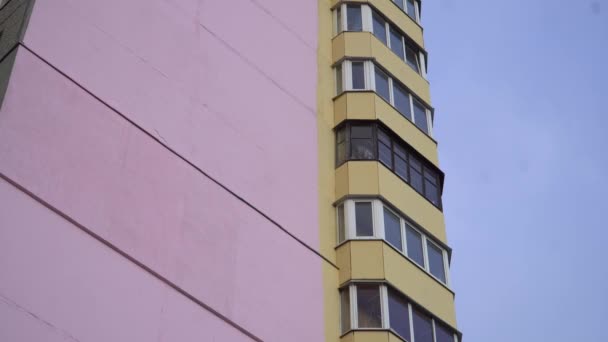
{"x": 371, "y": 219}
{"x": 365, "y": 140}
{"x": 373, "y": 306}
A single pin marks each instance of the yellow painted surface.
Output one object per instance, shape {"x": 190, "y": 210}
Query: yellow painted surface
{"x": 395, "y": 15}
{"x": 373, "y": 179}
{"x": 343, "y": 261}
{"x": 366, "y": 260}
{"x": 418, "y": 285}
{"x": 350, "y": 337}
{"x": 393, "y": 338}
{"x": 371, "y": 336}
{"x": 369, "y": 106}
{"x": 366, "y": 45}
{"x": 410, "y": 202}
{"x": 326, "y": 171}
{"x": 399, "y": 69}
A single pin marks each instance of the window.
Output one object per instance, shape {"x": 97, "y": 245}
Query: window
{"x": 436, "y": 265}
{"x": 339, "y": 81}
{"x": 362, "y": 144}
{"x": 354, "y": 19}
{"x": 338, "y": 20}
{"x": 399, "y": 3}
{"x": 372, "y": 141}
{"x": 411, "y": 9}
{"x": 401, "y": 316}
{"x": 414, "y": 245}
{"x": 402, "y": 101}
{"x": 341, "y": 146}
{"x": 412, "y": 58}
{"x": 368, "y": 306}
{"x": 384, "y": 149}
{"x": 358, "y": 75}
{"x": 396, "y": 43}
{"x": 395, "y": 229}
{"x": 379, "y": 27}
{"x": 392, "y": 229}
{"x": 382, "y": 85}
{"x": 345, "y": 310}
{"x": 443, "y": 334}
{"x": 364, "y": 219}
{"x": 420, "y": 117}
{"x": 341, "y": 225}
{"x": 423, "y": 327}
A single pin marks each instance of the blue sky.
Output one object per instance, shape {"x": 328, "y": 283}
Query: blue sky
{"x": 519, "y": 89}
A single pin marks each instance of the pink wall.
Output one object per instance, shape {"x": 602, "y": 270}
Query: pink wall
{"x": 239, "y": 102}
{"x": 229, "y": 85}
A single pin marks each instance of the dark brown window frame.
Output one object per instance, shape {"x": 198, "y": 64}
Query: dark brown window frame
{"x": 428, "y": 170}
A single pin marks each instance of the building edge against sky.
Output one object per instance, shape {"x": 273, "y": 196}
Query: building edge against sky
{"x": 164, "y": 177}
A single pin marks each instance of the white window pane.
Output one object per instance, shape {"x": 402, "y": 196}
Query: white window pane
{"x": 392, "y": 229}
{"x": 399, "y": 314}
{"x": 379, "y": 26}
{"x": 382, "y": 84}
{"x": 345, "y": 310}
{"x": 411, "y": 9}
{"x": 364, "y": 219}
{"x": 412, "y": 58}
{"x": 358, "y": 75}
{"x": 368, "y": 306}
{"x": 339, "y": 79}
{"x": 436, "y": 265}
{"x": 414, "y": 245}
{"x": 402, "y": 101}
{"x": 341, "y": 225}
{"x": 396, "y": 43}
{"x": 353, "y": 15}
{"x": 420, "y": 117}
{"x": 423, "y": 327}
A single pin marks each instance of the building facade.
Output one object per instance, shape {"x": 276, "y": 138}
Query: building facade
{"x": 249, "y": 170}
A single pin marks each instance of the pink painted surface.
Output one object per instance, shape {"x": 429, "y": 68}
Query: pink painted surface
{"x": 79, "y": 156}
{"x": 59, "y": 284}
{"x": 228, "y": 84}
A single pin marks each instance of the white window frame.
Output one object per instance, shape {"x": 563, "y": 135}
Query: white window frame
{"x": 379, "y": 233}
{"x": 384, "y": 312}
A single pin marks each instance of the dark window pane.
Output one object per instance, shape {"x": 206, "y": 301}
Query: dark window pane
{"x": 361, "y": 132}
{"x": 420, "y": 117}
{"x": 339, "y": 79}
{"x": 412, "y": 58}
{"x": 443, "y": 334}
{"x": 362, "y": 149}
{"x": 392, "y": 229}
{"x": 423, "y": 327}
{"x": 382, "y": 84}
{"x": 396, "y": 43}
{"x": 399, "y": 3}
{"x": 341, "y": 135}
{"x": 414, "y": 245}
{"x": 379, "y": 27}
{"x": 341, "y": 225}
{"x": 345, "y": 310}
{"x": 338, "y": 20}
{"x": 430, "y": 175}
{"x": 383, "y": 137}
{"x": 415, "y": 179}
{"x": 411, "y": 9}
{"x": 415, "y": 163}
{"x": 384, "y": 153}
{"x": 402, "y": 101}
{"x": 431, "y": 192}
{"x": 341, "y": 153}
{"x": 401, "y": 167}
{"x": 358, "y": 75}
{"x": 368, "y": 306}
{"x": 363, "y": 219}
{"x": 399, "y": 314}
{"x": 436, "y": 265}
{"x": 353, "y": 13}
{"x": 399, "y": 151}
